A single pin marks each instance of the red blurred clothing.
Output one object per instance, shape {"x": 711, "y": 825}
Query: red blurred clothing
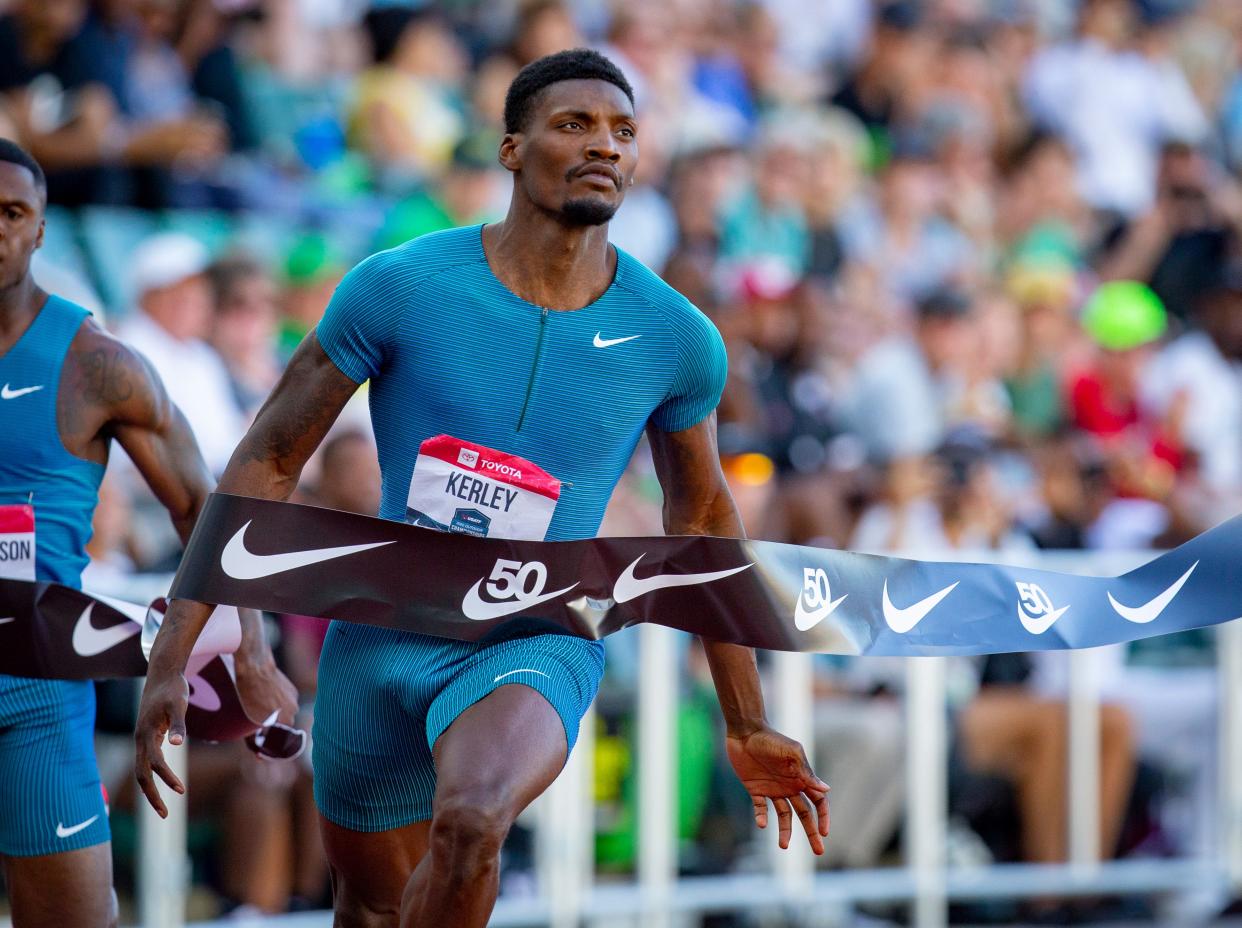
{"x": 1112, "y": 416}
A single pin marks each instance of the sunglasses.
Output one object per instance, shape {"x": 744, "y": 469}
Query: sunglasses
{"x": 276, "y": 740}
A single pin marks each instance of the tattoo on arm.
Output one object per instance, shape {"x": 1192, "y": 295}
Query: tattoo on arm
{"x": 106, "y": 376}
{"x": 105, "y": 386}
{"x": 287, "y": 430}
{"x": 289, "y": 423}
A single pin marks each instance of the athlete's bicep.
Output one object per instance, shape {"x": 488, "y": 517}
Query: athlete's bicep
{"x": 156, "y": 436}
{"x": 697, "y": 500}
{"x": 301, "y": 409}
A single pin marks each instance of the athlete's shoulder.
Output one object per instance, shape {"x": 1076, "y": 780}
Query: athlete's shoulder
{"x": 641, "y": 281}
{"x": 425, "y": 256}
{"x": 110, "y": 371}
{"x": 97, "y": 347}
{"x": 690, "y": 325}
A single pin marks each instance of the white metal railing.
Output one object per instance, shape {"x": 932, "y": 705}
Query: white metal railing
{"x": 568, "y": 894}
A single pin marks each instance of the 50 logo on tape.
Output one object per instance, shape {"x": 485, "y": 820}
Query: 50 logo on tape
{"x": 1035, "y": 609}
{"x": 511, "y": 587}
{"x": 815, "y": 603}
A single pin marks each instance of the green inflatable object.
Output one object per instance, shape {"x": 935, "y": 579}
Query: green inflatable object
{"x": 1124, "y": 314}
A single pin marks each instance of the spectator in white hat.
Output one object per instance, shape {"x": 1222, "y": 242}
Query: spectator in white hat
{"x": 173, "y": 297}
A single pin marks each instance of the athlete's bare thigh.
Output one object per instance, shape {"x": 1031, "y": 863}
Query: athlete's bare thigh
{"x": 72, "y": 889}
{"x": 370, "y": 870}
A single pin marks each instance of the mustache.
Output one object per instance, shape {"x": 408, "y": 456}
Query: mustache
{"x": 595, "y": 167}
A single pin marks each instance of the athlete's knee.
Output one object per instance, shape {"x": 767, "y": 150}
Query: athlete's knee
{"x": 353, "y": 909}
{"x": 467, "y": 831}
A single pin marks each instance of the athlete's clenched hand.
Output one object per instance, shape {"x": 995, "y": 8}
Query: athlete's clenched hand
{"x": 264, "y": 688}
{"x": 774, "y": 767}
{"x": 161, "y": 712}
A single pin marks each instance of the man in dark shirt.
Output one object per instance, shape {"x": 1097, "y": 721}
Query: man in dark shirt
{"x": 63, "y": 76}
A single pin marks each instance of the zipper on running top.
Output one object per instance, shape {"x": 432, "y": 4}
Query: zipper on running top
{"x": 534, "y": 368}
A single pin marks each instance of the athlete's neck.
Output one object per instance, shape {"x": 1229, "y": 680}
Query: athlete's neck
{"x": 548, "y": 263}
{"x": 19, "y": 304}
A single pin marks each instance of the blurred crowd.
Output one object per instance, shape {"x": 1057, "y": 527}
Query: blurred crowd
{"x": 976, "y": 263}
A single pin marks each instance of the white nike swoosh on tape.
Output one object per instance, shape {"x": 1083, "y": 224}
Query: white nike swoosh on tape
{"x": 479, "y": 609}
{"x": 609, "y": 342}
{"x": 902, "y": 620}
{"x": 9, "y": 394}
{"x": 240, "y": 564}
{"x": 89, "y": 640}
{"x": 1147, "y": 612}
{"x": 523, "y": 670}
{"x": 1043, "y": 623}
{"x": 804, "y": 621}
{"x": 63, "y": 832}
{"x": 630, "y": 587}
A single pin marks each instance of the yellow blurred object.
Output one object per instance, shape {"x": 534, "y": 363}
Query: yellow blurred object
{"x": 1032, "y": 284}
{"x": 751, "y": 469}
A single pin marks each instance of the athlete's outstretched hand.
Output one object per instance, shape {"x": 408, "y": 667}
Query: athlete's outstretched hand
{"x": 161, "y": 712}
{"x": 773, "y": 767}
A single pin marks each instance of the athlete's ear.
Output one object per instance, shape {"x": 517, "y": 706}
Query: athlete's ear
{"x": 509, "y": 156}
{"x": 39, "y": 237}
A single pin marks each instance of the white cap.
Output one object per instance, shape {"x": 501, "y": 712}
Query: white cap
{"x": 166, "y": 259}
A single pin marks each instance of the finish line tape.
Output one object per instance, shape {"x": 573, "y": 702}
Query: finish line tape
{"x": 249, "y": 552}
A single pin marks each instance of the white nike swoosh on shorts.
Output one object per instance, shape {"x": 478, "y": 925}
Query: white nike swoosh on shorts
{"x": 523, "y": 670}
{"x": 63, "y": 832}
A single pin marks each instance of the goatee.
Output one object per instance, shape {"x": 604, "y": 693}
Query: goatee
{"x": 587, "y": 212}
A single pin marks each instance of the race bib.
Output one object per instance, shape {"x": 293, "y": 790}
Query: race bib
{"x": 17, "y": 542}
{"x": 462, "y": 487}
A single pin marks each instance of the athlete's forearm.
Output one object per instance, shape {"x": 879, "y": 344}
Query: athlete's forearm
{"x": 736, "y": 678}
{"x": 733, "y": 667}
{"x": 183, "y": 623}
{"x": 247, "y": 474}
{"x": 266, "y": 465}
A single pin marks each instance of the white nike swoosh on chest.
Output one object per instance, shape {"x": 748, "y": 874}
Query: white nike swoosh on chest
{"x": 240, "y": 564}
{"x": 903, "y": 620}
{"x": 609, "y": 342}
{"x": 10, "y": 394}
{"x": 630, "y": 587}
{"x": 1141, "y": 615}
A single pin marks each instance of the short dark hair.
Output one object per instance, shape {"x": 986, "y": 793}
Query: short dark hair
{"x": 576, "y": 64}
{"x": 13, "y": 153}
